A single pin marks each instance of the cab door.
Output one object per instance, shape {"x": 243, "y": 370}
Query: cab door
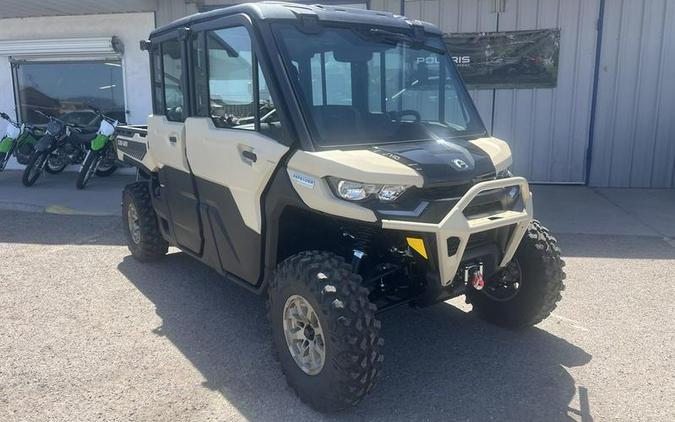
{"x": 166, "y": 133}
{"x": 232, "y": 144}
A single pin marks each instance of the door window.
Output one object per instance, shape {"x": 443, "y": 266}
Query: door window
{"x": 231, "y": 78}
{"x": 239, "y": 96}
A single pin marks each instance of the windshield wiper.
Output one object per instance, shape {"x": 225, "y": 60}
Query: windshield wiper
{"x": 398, "y": 37}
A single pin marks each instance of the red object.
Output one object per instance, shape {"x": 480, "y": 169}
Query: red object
{"x": 477, "y": 280}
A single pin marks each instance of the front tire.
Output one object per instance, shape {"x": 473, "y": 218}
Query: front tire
{"x": 348, "y": 356}
{"x": 106, "y": 171}
{"x": 141, "y": 223}
{"x": 536, "y": 281}
{"x": 33, "y": 169}
{"x": 54, "y": 166}
{"x": 86, "y": 170}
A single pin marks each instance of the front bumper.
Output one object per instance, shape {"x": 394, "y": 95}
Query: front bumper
{"x": 456, "y": 224}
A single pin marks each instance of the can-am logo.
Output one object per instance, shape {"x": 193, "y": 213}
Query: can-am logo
{"x": 460, "y": 164}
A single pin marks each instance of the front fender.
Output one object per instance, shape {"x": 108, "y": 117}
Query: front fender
{"x": 99, "y": 142}
{"x": 6, "y": 144}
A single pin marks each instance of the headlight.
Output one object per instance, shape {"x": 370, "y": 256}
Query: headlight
{"x": 357, "y": 191}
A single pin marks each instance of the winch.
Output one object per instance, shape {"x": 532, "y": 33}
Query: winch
{"x": 473, "y": 276}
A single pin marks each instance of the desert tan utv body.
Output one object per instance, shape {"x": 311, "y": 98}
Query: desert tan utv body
{"x": 333, "y": 160}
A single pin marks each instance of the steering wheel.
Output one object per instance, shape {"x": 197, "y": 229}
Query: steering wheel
{"x": 267, "y": 111}
{"x": 397, "y": 115}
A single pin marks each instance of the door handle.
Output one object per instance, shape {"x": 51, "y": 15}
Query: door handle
{"x": 173, "y": 139}
{"x": 249, "y": 155}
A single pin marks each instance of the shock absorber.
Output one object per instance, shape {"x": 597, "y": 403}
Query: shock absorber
{"x": 363, "y": 235}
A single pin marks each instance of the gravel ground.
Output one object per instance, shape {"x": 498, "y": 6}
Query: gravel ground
{"x": 87, "y": 333}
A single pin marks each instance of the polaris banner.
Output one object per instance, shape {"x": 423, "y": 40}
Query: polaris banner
{"x": 515, "y": 59}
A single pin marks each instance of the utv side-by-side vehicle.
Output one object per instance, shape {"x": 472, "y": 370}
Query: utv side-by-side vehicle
{"x": 333, "y": 160}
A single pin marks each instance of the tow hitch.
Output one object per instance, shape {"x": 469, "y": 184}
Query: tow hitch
{"x": 473, "y": 276}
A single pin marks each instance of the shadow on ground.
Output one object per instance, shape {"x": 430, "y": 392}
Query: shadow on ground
{"x": 441, "y": 363}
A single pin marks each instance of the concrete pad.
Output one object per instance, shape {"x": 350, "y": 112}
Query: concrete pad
{"x": 581, "y": 210}
{"x": 56, "y": 194}
{"x": 654, "y": 208}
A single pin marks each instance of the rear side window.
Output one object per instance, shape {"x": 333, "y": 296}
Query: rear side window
{"x": 157, "y": 91}
{"x": 172, "y": 66}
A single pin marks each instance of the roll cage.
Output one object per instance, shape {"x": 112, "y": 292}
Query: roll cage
{"x": 259, "y": 20}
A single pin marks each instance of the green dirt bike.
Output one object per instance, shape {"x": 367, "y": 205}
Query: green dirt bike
{"x": 19, "y": 140}
{"x": 101, "y": 157}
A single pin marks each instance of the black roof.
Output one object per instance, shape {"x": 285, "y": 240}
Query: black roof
{"x": 274, "y": 10}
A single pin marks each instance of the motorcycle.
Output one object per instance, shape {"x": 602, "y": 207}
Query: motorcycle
{"x": 101, "y": 158}
{"x": 62, "y": 144}
{"x": 19, "y": 140}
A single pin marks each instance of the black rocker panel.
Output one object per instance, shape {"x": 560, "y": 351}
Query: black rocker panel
{"x": 239, "y": 247}
{"x": 178, "y": 192}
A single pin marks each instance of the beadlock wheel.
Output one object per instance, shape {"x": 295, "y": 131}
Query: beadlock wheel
{"x": 304, "y": 335}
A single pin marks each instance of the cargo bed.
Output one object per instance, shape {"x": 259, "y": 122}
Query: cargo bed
{"x": 132, "y": 146}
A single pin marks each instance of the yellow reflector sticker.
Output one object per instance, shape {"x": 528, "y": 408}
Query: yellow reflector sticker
{"x": 418, "y": 246}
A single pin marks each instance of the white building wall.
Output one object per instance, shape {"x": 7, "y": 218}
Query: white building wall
{"x": 130, "y": 28}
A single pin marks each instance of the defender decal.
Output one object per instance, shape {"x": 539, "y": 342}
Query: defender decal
{"x": 303, "y": 179}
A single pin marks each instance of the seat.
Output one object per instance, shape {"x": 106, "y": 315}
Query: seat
{"x": 83, "y": 137}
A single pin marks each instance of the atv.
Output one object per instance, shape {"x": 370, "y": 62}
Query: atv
{"x": 332, "y": 160}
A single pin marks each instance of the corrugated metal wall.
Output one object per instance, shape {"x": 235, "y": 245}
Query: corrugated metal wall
{"x": 634, "y": 140}
{"x": 547, "y": 129}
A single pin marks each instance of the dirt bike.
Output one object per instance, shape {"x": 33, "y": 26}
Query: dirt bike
{"x": 62, "y": 144}
{"x": 101, "y": 157}
{"x": 19, "y": 141}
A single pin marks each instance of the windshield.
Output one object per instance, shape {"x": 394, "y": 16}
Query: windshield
{"x": 374, "y": 86}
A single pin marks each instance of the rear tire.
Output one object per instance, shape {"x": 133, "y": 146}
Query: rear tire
{"x": 141, "y": 224}
{"x": 540, "y": 283}
{"x": 33, "y": 169}
{"x": 352, "y": 345}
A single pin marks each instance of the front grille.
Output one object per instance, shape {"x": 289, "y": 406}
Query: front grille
{"x": 455, "y": 191}
{"x": 486, "y": 208}
{"x": 446, "y": 192}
